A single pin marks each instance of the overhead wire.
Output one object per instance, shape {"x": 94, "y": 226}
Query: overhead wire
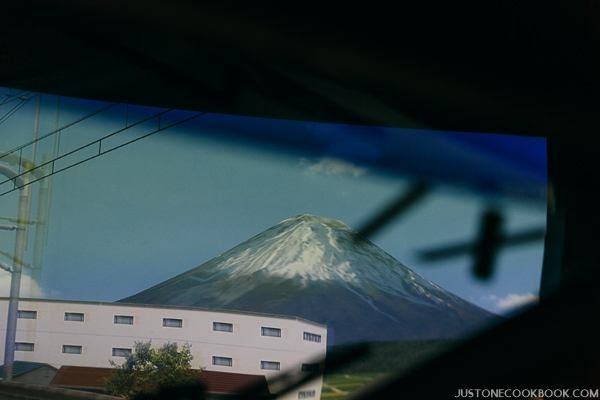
{"x": 58, "y": 130}
{"x": 101, "y": 152}
{"x": 13, "y": 110}
{"x": 11, "y": 98}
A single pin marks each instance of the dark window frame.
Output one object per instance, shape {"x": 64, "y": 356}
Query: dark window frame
{"x": 311, "y": 337}
{"x": 24, "y": 344}
{"x": 263, "y": 363}
{"x": 72, "y": 314}
{"x": 72, "y": 346}
{"x": 264, "y": 329}
{"x": 307, "y": 394}
{"x": 217, "y": 323}
{"x": 126, "y": 350}
{"x": 21, "y": 314}
{"x": 230, "y": 359}
{"x": 165, "y": 323}
{"x": 117, "y": 316}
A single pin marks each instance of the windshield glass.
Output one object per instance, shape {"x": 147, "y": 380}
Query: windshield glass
{"x": 264, "y": 245}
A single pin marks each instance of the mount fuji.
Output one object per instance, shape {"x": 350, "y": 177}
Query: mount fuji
{"x": 318, "y": 269}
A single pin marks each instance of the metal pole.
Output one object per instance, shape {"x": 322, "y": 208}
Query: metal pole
{"x": 41, "y": 228}
{"x": 15, "y": 281}
{"x": 36, "y": 128}
{"x": 41, "y": 236}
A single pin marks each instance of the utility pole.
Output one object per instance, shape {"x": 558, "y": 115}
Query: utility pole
{"x": 15, "y": 280}
{"x": 43, "y": 205}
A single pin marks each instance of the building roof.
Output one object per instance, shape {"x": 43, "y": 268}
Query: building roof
{"x": 226, "y": 382}
{"x": 23, "y": 367}
{"x": 81, "y": 377}
{"x": 94, "y": 378}
{"x": 175, "y": 307}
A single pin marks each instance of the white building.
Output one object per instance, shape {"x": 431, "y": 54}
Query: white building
{"x": 92, "y": 334}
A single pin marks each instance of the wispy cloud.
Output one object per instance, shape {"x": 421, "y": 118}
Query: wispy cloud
{"x": 27, "y": 287}
{"x": 332, "y": 166}
{"x": 513, "y": 301}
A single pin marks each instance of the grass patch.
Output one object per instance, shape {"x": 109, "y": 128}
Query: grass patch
{"x": 339, "y": 386}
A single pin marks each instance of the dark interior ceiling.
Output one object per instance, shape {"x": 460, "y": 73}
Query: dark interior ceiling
{"x": 520, "y": 67}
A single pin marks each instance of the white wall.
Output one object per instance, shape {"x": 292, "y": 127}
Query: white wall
{"x": 98, "y": 334}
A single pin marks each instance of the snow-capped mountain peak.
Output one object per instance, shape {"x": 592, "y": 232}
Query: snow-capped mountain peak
{"x": 307, "y": 246}
{"x": 318, "y": 268}
{"x": 312, "y": 248}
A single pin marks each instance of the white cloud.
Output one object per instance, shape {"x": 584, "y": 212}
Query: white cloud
{"x": 28, "y": 288}
{"x": 513, "y": 301}
{"x": 333, "y": 166}
{"x": 4, "y": 283}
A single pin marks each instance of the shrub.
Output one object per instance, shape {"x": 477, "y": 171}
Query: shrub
{"x": 148, "y": 369}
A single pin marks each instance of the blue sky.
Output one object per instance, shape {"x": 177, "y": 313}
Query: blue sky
{"x": 141, "y": 214}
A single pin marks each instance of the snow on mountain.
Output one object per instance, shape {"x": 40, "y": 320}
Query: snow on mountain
{"x": 317, "y": 268}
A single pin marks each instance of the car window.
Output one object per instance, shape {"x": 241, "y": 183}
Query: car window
{"x": 263, "y": 244}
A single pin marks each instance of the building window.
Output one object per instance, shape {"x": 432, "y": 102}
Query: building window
{"x": 21, "y": 346}
{"x": 312, "y": 337}
{"x": 272, "y": 365}
{"x": 307, "y": 394}
{"x": 71, "y": 349}
{"x": 311, "y": 367}
{"x": 222, "y": 327}
{"x": 74, "y": 316}
{"x": 26, "y": 314}
{"x": 173, "y": 322}
{"x": 121, "y": 352}
{"x": 124, "y": 319}
{"x": 266, "y": 331}
{"x": 223, "y": 361}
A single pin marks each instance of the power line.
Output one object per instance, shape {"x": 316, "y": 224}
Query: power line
{"x": 56, "y": 158}
{"x": 10, "y": 98}
{"x": 58, "y": 130}
{"x": 100, "y": 152}
{"x": 13, "y": 110}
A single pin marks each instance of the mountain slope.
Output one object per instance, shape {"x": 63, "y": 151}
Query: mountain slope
{"x": 317, "y": 268}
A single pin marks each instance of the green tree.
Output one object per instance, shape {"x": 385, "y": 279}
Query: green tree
{"x": 148, "y": 369}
